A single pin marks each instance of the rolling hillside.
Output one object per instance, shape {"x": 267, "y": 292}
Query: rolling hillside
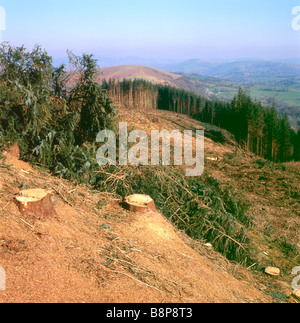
{"x": 210, "y": 238}
{"x": 95, "y": 251}
{"x": 255, "y": 71}
{"x": 266, "y": 82}
{"x": 138, "y": 72}
{"x": 199, "y": 66}
{"x": 155, "y": 76}
{"x": 237, "y": 70}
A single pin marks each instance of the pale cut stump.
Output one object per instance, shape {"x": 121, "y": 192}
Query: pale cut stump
{"x": 296, "y": 293}
{"x": 272, "y": 271}
{"x": 37, "y": 203}
{"x": 139, "y": 203}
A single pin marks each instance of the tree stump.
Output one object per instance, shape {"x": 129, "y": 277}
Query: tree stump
{"x": 296, "y": 293}
{"x": 139, "y": 203}
{"x": 272, "y": 271}
{"x": 36, "y": 202}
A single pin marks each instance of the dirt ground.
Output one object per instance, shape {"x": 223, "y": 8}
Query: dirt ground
{"x": 107, "y": 255}
{"x": 94, "y": 251}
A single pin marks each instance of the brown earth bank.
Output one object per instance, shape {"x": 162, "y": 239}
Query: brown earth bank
{"x": 111, "y": 255}
{"x": 95, "y": 251}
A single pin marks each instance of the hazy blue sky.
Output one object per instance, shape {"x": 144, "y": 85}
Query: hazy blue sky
{"x": 156, "y": 28}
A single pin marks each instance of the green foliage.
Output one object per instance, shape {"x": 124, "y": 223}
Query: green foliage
{"x": 96, "y": 109}
{"x": 3, "y": 163}
{"x": 202, "y": 207}
{"x": 287, "y": 248}
{"x": 279, "y": 296}
{"x": 50, "y": 122}
{"x": 25, "y": 68}
{"x": 55, "y": 117}
{"x": 259, "y": 129}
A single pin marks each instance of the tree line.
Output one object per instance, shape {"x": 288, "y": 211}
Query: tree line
{"x": 260, "y": 129}
{"x": 53, "y": 122}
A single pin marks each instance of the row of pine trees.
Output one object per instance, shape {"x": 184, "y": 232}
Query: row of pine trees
{"x": 260, "y": 129}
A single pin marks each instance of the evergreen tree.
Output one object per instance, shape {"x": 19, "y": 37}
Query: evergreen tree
{"x": 259, "y": 129}
{"x": 95, "y": 108}
{"x": 271, "y": 133}
{"x": 240, "y": 109}
{"x": 297, "y": 146}
{"x": 285, "y": 140}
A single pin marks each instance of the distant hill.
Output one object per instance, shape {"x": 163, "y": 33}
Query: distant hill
{"x": 261, "y": 72}
{"x": 254, "y": 71}
{"x": 199, "y": 66}
{"x": 153, "y": 75}
{"x": 244, "y": 71}
{"x": 138, "y": 72}
{"x": 267, "y": 82}
{"x": 295, "y": 61}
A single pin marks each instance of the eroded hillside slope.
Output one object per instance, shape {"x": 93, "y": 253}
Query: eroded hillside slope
{"x": 88, "y": 254}
{"x": 95, "y": 251}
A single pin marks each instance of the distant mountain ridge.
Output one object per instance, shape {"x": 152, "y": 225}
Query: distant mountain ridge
{"x": 192, "y": 65}
{"x": 255, "y": 68}
{"x": 243, "y": 71}
{"x": 199, "y": 66}
{"x": 236, "y": 70}
{"x": 152, "y": 75}
{"x": 266, "y": 81}
{"x": 138, "y": 72}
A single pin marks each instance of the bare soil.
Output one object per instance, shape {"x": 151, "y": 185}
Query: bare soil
{"x": 106, "y": 254}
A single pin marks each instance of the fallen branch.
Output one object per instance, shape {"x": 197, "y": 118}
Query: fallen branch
{"x": 117, "y": 272}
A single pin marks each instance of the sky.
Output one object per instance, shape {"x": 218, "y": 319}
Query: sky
{"x": 160, "y": 29}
